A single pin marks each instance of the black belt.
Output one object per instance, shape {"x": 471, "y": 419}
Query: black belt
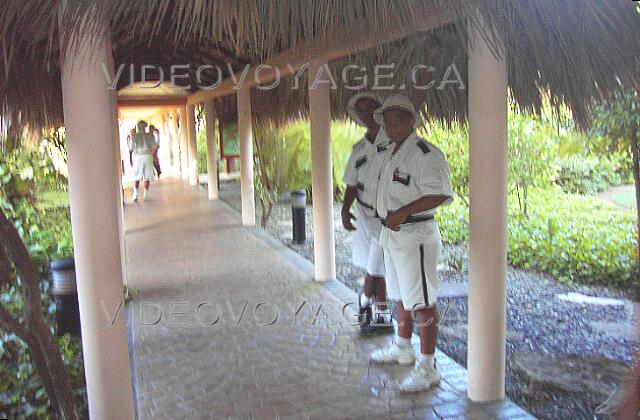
{"x": 412, "y": 219}
{"x": 363, "y": 204}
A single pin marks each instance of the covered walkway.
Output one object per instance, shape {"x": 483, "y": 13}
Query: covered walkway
{"x": 229, "y": 323}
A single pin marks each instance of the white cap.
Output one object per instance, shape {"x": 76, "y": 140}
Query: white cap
{"x": 397, "y": 100}
{"x": 351, "y": 105}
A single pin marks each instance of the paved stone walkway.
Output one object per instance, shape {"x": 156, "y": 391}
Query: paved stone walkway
{"x": 227, "y": 324}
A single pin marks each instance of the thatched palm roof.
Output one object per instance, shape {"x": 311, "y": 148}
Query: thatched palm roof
{"x": 576, "y": 50}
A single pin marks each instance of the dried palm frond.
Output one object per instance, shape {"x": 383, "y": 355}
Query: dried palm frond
{"x": 574, "y": 50}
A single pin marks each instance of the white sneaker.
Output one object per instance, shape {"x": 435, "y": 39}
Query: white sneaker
{"x": 394, "y": 354}
{"x": 144, "y": 194}
{"x": 134, "y": 196}
{"x": 421, "y": 378}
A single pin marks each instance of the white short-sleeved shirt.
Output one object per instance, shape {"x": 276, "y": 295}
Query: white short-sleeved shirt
{"x": 363, "y": 170}
{"x": 415, "y": 170}
{"x": 142, "y": 144}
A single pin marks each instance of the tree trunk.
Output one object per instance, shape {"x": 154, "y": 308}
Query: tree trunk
{"x": 33, "y": 330}
{"x": 636, "y": 178}
{"x": 266, "y": 214}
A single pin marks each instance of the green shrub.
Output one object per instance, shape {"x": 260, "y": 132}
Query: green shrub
{"x": 454, "y": 143}
{"x": 343, "y": 136}
{"x": 275, "y": 166}
{"x": 201, "y": 139}
{"x": 42, "y": 219}
{"x": 574, "y": 238}
{"x": 589, "y": 175}
{"x": 453, "y": 221}
{"x": 295, "y": 150}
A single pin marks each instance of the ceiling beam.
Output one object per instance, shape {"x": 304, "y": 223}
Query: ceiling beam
{"x": 167, "y": 102}
{"x": 346, "y": 43}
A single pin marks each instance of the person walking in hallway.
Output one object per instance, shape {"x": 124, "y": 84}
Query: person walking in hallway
{"x": 141, "y": 148}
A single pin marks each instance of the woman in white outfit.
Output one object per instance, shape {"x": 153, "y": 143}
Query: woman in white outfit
{"x": 142, "y": 145}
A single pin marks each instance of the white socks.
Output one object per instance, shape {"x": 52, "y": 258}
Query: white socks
{"x": 426, "y": 360}
{"x": 134, "y": 196}
{"x": 403, "y": 342}
{"x": 365, "y": 301}
{"x": 385, "y": 317}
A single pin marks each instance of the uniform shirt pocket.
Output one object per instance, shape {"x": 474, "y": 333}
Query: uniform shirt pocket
{"x": 403, "y": 178}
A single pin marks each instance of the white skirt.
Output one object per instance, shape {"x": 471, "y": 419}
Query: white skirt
{"x": 143, "y": 168}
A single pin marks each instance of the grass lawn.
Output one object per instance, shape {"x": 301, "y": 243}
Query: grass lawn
{"x": 52, "y": 199}
{"x": 624, "y": 196}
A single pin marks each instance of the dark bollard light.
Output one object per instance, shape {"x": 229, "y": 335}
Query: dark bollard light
{"x": 65, "y": 295}
{"x": 298, "y": 209}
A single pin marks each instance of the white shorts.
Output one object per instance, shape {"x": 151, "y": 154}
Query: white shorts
{"x": 367, "y": 253}
{"x": 411, "y": 275}
{"x": 143, "y": 168}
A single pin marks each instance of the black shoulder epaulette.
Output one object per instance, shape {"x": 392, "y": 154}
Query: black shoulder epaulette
{"x": 423, "y": 146}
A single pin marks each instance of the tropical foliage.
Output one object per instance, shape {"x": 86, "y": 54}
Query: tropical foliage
{"x": 33, "y": 197}
{"x": 555, "y": 224}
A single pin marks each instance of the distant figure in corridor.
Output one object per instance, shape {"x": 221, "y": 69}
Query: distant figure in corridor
{"x": 361, "y": 178}
{"x": 142, "y": 146}
{"x": 156, "y": 161}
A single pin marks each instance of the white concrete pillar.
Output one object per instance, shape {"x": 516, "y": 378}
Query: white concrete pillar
{"x": 192, "y": 145}
{"x": 175, "y": 138}
{"x": 117, "y": 133}
{"x": 184, "y": 149}
{"x": 171, "y": 140}
{"x": 165, "y": 130}
{"x": 212, "y": 149}
{"x": 487, "y": 221}
{"x": 164, "y": 152}
{"x": 94, "y": 199}
{"x": 245, "y": 133}
{"x": 322, "y": 176}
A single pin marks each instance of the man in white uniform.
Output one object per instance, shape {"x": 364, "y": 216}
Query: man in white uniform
{"x": 414, "y": 181}
{"x": 361, "y": 177}
{"x": 142, "y": 146}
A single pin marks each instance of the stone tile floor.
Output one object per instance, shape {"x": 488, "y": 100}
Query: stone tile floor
{"x": 228, "y": 324}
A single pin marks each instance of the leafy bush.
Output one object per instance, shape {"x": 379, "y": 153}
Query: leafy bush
{"x": 454, "y": 143}
{"x": 589, "y": 175}
{"x": 343, "y": 136}
{"x": 294, "y": 149}
{"x": 274, "y": 164}
{"x": 45, "y": 228}
{"x": 531, "y": 152}
{"x": 575, "y": 238}
{"x": 453, "y": 221}
{"x": 572, "y": 237}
